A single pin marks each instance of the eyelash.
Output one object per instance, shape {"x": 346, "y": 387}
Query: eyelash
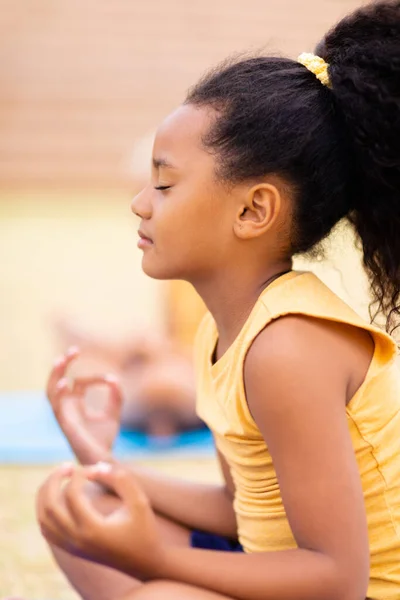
{"x": 162, "y": 187}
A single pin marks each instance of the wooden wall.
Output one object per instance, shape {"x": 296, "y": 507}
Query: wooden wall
{"x": 80, "y": 80}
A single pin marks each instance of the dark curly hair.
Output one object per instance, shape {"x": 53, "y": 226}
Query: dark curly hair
{"x": 338, "y": 148}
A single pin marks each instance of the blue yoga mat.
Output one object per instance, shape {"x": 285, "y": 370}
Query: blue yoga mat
{"x": 29, "y": 434}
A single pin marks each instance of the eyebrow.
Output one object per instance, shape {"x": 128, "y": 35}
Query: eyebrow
{"x": 162, "y": 162}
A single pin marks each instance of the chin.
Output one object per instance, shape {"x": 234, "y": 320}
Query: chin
{"x": 158, "y": 271}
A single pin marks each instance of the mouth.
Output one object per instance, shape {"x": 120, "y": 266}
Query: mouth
{"x": 144, "y": 241}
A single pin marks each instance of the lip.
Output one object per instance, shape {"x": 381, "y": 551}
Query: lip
{"x": 144, "y": 240}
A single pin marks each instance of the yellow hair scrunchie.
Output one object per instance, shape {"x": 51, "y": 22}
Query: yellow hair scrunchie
{"x": 316, "y": 65}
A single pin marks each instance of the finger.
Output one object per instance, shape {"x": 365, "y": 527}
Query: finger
{"x": 41, "y": 496}
{"x": 81, "y": 384}
{"x": 61, "y": 389}
{"x": 78, "y": 503}
{"x": 113, "y": 410}
{"x": 116, "y": 396}
{"x": 51, "y": 508}
{"x": 54, "y": 522}
{"x": 53, "y": 538}
{"x": 59, "y": 370}
{"x": 121, "y": 480}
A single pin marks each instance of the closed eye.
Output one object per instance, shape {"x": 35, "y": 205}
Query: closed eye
{"x": 162, "y": 187}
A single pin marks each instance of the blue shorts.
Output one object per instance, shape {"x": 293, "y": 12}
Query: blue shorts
{"x": 211, "y": 541}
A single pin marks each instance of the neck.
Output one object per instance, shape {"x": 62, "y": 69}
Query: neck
{"x": 232, "y": 297}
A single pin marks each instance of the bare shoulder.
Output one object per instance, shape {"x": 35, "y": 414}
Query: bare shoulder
{"x": 312, "y": 347}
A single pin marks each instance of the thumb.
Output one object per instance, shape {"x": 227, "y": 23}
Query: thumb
{"x": 120, "y": 480}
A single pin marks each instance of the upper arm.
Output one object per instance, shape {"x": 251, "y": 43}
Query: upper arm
{"x": 296, "y": 383}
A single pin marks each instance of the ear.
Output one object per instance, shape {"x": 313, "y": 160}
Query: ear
{"x": 259, "y": 212}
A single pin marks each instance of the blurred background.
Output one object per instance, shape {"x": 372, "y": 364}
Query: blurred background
{"x": 83, "y": 86}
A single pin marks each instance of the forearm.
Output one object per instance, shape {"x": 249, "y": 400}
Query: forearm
{"x": 193, "y": 505}
{"x": 196, "y": 506}
{"x": 294, "y": 574}
{"x": 89, "y": 452}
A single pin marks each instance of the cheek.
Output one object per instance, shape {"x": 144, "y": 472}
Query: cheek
{"x": 178, "y": 253}
{"x": 189, "y": 232}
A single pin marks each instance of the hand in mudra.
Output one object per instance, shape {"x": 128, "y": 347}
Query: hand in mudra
{"x": 90, "y": 432}
{"x": 125, "y": 537}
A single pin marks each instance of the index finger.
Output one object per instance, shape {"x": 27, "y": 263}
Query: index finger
{"x": 59, "y": 369}
{"x": 48, "y": 495}
{"x": 114, "y": 404}
{"x": 78, "y": 502}
{"x": 121, "y": 480}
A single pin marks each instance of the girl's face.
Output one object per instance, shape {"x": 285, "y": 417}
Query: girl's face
{"x": 186, "y": 215}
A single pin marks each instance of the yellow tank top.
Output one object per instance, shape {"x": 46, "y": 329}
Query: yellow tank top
{"x": 373, "y": 416}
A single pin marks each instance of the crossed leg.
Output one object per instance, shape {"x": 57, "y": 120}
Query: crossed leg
{"x": 168, "y": 590}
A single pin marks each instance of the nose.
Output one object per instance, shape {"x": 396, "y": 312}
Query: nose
{"x": 141, "y": 205}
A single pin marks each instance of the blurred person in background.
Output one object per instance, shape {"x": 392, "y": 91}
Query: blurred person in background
{"x": 155, "y": 368}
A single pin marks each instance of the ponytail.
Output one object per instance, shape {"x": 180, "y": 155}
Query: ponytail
{"x": 363, "y": 52}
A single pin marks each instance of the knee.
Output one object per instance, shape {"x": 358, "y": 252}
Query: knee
{"x": 154, "y": 590}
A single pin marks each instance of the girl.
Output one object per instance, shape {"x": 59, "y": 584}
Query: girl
{"x": 261, "y": 161}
